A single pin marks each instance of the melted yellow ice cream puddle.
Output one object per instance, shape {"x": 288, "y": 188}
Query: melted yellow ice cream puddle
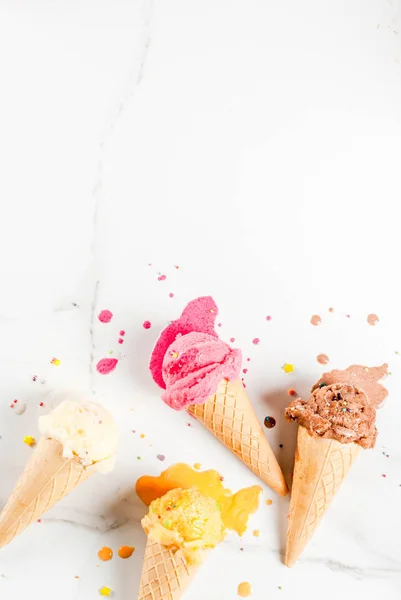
{"x": 235, "y": 508}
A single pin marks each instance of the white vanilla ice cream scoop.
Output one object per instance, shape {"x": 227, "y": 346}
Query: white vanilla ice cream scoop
{"x": 85, "y": 430}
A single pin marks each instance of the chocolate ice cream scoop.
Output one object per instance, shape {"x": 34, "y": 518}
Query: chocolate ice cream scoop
{"x": 339, "y": 411}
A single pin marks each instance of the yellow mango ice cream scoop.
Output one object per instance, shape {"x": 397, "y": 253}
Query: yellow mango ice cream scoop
{"x": 185, "y": 521}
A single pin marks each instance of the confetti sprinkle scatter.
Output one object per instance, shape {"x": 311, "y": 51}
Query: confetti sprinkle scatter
{"x": 270, "y": 422}
{"x": 147, "y": 325}
{"x": 288, "y": 368}
{"x": 244, "y": 589}
{"x": 105, "y": 554}
{"x": 106, "y": 365}
{"x": 126, "y": 551}
{"x": 29, "y": 440}
{"x": 105, "y": 316}
{"x": 373, "y": 319}
{"x": 322, "y": 359}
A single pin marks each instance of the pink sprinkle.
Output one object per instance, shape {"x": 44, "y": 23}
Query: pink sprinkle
{"x": 161, "y": 457}
{"x": 15, "y": 401}
{"x": 105, "y": 316}
{"x": 244, "y": 384}
{"x": 219, "y": 324}
{"x": 106, "y": 365}
{"x": 248, "y": 359}
{"x": 268, "y": 318}
{"x": 162, "y": 277}
{"x": 11, "y": 405}
{"x": 177, "y": 267}
{"x": 120, "y": 340}
{"x": 34, "y": 378}
{"x": 147, "y": 325}
{"x": 245, "y": 371}
{"x": 41, "y": 403}
{"x": 189, "y": 425}
{"x": 149, "y": 264}
{"x": 255, "y": 341}
{"x": 384, "y": 475}
{"x": 348, "y": 316}
{"x": 232, "y": 340}
{"x": 122, "y": 332}
{"x": 171, "y": 295}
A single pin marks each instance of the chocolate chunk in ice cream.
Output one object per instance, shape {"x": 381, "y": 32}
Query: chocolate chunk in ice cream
{"x": 338, "y": 411}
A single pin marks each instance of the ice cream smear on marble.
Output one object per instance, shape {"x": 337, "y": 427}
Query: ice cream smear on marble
{"x": 342, "y": 405}
{"x": 189, "y": 360}
{"x": 85, "y": 430}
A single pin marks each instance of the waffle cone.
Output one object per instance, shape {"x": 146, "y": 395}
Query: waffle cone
{"x": 165, "y": 576}
{"x": 320, "y": 468}
{"x": 47, "y": 478}
{"x": 229, "y": 415}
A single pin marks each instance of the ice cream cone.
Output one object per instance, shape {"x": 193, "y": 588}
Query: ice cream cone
{"x": 321, "y": 465}
{"x": 47, "y": 478}
{"x": 165, "y": 575}
{"x": 229, "y": 415}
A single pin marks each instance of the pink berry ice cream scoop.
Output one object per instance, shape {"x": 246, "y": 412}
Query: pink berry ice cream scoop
{"x": 194, "y": 365}
{"x": 200, "y": 373}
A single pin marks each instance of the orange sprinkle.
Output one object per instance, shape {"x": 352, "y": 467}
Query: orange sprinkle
{"x": 244, "y": 589}
{"x": 269, "y": 502}
{"x": 256, "y": 532}
{"x": 142, "y": 435}
{"x": 105, "y": 553}
{"x": 291, "y": 392}
{"x": 125, "y": 551}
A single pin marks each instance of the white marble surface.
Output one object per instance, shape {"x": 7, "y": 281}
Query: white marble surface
{"x": 256, "y": 145}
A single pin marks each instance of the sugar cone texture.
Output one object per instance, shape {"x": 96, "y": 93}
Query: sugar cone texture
{"x": 47, "y": 478}
{"x": 320, "y": 468}
{"x": 229, "y": 415}
{"x": 164, "y": 575}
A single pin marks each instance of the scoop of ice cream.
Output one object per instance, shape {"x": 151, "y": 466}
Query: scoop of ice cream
{"x": 338, "y": 411}
{"x": 193, "y": 366}
{"x": 199, "y": 315}
{"x": 85, "y": 430}
{"x": 185, "y": 521}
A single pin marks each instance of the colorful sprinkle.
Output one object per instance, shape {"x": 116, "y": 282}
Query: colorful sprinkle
{"x": 126, "y": 551}
{"x": 255, "y": 341}
{"x": 139, "y": 458}
{"x": 105, "y": 591}
{"x": 120, "y": 340}
{"x": 256, "y": 532}
{"x": 316, "y": 320}
{"x": 245, "y": 371}
{"x": 146, "y": 324}
{"x": 122, "y": 332}
{"x": 291, "y": 392}
{"x": 384, "y": 475}
{"x": 269, "y": 502}
{"x": 219, "y": 324}
{"x": 29, "y": 440}
{"x": 55, "y": 361}
{"x": 105, "y": 316}
{"x": 106, "y": 365}
{"x": 268, "y": 318}
{"x": 248, "y": 360}
{"x": 142, "y": 435}
{"x": 232, "y": 340}
{"x": 197, "y": 466}
{"x": 105, "y": 554}
{"x": 162, "y": 278}
{"x": 270, "y": 422}
{"x": 41, "y": 404}
{"x": 161, "y": 457}
{"x": 331, "y": 309}
{"x": 372, "y": 319}
{"x": 348, "y": 316}
{"x": 288, "y": 368}
{"x": 244, "y": 589}
{"x": 34, "y": 378}
{"x": 171, "y": 295}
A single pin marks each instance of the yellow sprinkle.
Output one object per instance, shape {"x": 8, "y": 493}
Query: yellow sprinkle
{"x": 269, "y": 502}
{"x": 288, "y": 368}
{"x": 197, "y": 466}
{"x": 142, "y": 435}
{"x": 55, "y": 361}
{"x": 175, "y": 355}
{"x": 256, "y": 533}
{"x": 105, "y": 591}
{"x": 29, "y": 440}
